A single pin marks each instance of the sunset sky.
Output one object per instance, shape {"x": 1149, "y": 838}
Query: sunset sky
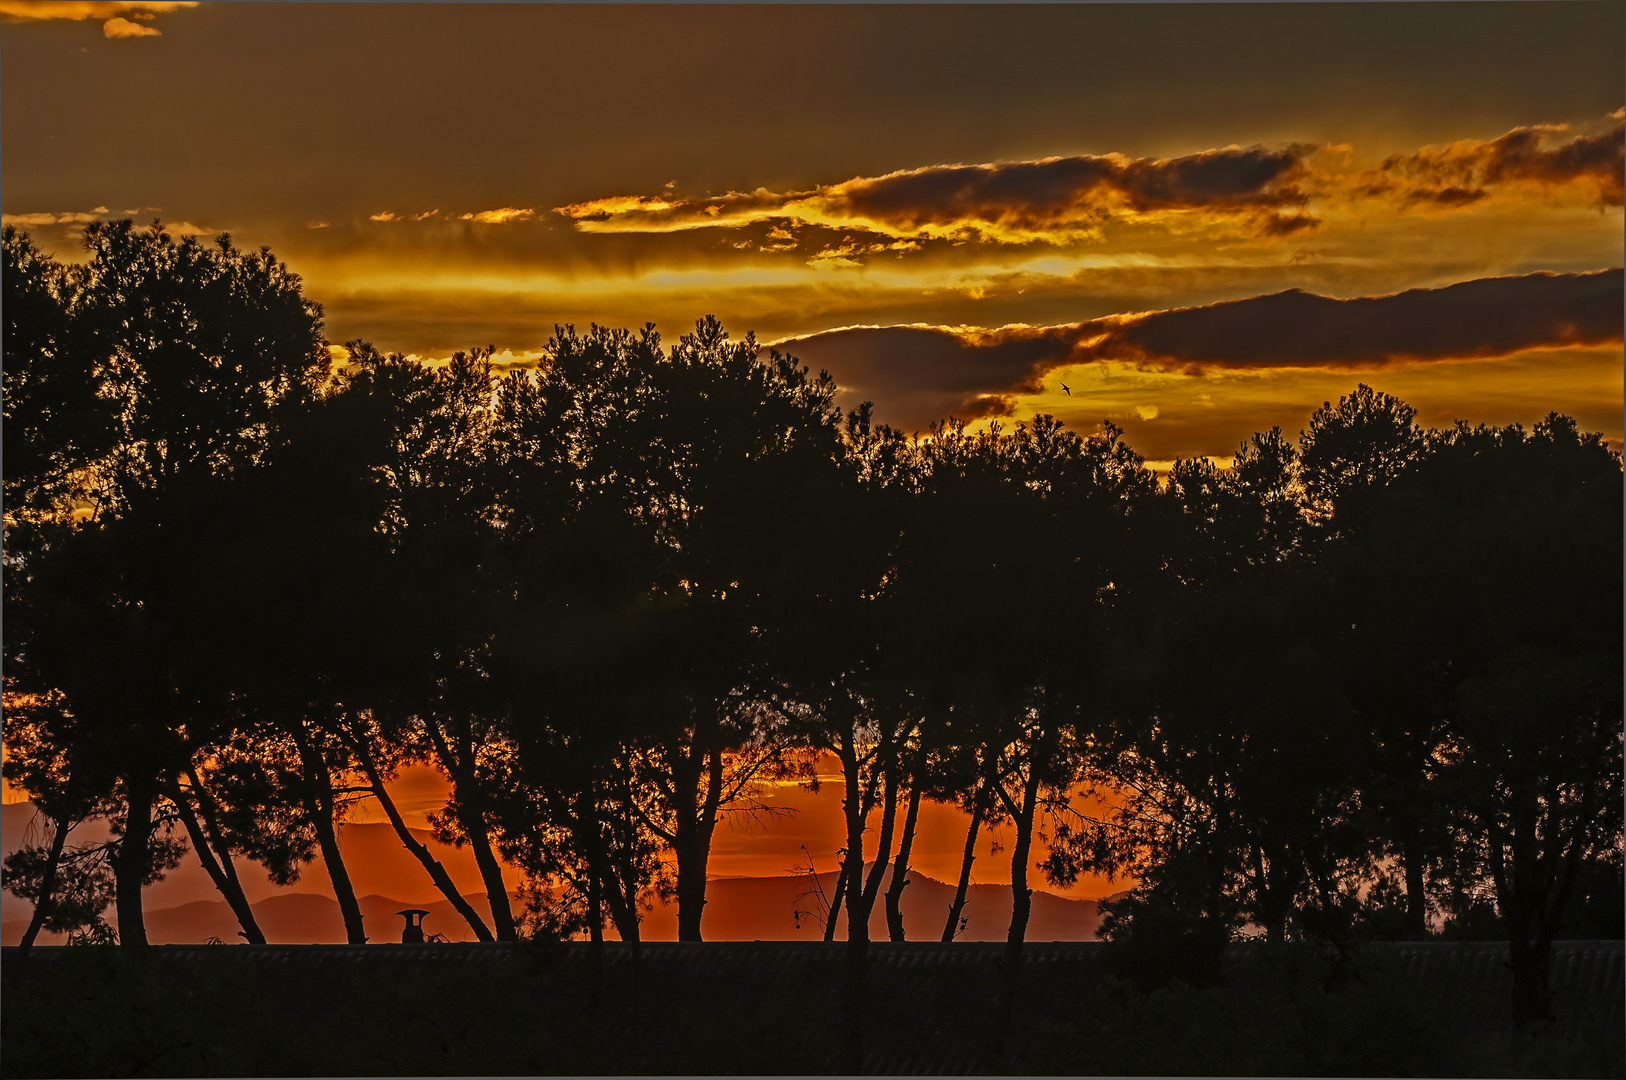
{"x": 954, "y": 209}
{"x": 1204, "y": 220}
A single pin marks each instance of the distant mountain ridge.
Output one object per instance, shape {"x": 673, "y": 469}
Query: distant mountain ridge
{"x": 185, "y": 907}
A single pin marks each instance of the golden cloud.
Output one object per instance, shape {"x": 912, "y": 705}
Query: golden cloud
{"x": 498, "y": 217}
{"x": 1534, "y": 157}
{"x": 1055, "y": 200}
{"x": 186, "y": 228}
{"x": 1256, "y": 191}
{"x": 625, "y": 204}
{"x": 116, "y": 13}
{"x": 124, "y": 28}
{"x": 89, "y": 9}
{"x": 27, "y": 221}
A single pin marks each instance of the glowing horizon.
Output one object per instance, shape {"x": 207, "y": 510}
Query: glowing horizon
{"x": 1029, "y": 193}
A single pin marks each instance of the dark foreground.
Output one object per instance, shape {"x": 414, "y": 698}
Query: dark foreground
{"x": 1435, "y": 1009}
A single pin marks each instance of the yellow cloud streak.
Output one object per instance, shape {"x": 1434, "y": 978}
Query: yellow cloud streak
{"x": 124, "y": 28}
{"x": 498, "y": 217}
{"x": 26, "y": 221}
{"x": 1207, "y": 415}
{"x": 484, "y": 217}
{"x": 632, "y": 214}
{"x": 89, "y": 9}
{"x": 364, "y": 275}
{"x": 1255, "y": 193}
{"x": 114, "y": 12}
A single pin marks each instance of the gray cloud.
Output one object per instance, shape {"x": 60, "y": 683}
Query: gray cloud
{"x": 1456, "y": 175}
{"x": 1054, "y": 199}
{"x": 919, "y": 373}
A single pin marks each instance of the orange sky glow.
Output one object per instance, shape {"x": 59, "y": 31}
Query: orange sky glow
{"x": 789, "y": 831}
{"x": 1113, "y": 212}
{"x": 976, "y": 176}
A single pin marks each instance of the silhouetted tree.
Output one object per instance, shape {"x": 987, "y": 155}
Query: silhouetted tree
{"x": 1518, "y": 535}
{"x": 197, "y": 347}
{"x": 1352, "y": 450}
{"x": 69, "y": 888}
{"x": 743, "y": 450}
{"x": 1330, "y": 690}
{"x": 56, "y": 421}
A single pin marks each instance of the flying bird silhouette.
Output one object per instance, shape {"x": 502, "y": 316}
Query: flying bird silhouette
{"x": 1068, "y": 389}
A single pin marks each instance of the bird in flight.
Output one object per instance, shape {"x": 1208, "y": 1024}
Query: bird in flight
{"x": 1068, "y": 389}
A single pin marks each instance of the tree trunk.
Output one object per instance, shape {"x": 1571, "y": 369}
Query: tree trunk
{"x": 437, "y": 872}
{"x": 130, "y": 863}
{"x": 595, "y": 939}
{"x": 328, "y": 840}
{"x": 485, "y": 859}
{"x": 692, "y": 846}
{"x": 852, "y": 1013}
{"x": 1523, "y": 892}
{"x": 837, "y": 898}
{"x": 207, "y": 809}
{"x": 595, "y": 913}
{"x": 951, "y": 929}
{"x": 1274, "y": 891}
{"x": 1260, "y": 890}
{"x": 624, "y": 913}
{"x": 42, "y": 903}
{"x": 1529, "y": 957}
{"x": 224, "y": 881}
{"x": 1411, "y": 858}
{"x": 470, "y": 812}
{"x": 607, "y": 884}
{"x": 472, "y": 817}
{"x": 900, "y": 869}
{"x": 883, "y": 847}
{"x": 624, "y": 906}
{"x": 319, "y": 802}
{"x": 1021, "y": 905}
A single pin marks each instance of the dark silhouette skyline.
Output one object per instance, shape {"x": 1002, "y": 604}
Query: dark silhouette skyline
{"x": 1363, "y": 684}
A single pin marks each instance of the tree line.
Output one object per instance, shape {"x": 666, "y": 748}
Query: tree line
{"x": 1363, "y": 685}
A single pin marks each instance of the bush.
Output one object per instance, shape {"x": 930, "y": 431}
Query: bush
{"x": 1152, "y": 941}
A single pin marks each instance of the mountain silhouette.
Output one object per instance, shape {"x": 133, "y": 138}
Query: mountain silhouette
{"x": 185, "y": 907}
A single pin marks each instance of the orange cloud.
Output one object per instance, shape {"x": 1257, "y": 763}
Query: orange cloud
{"x": 1053, "y": 200}
{"x": 498, "y": 217}
{"x": 27, "y": 221}
{"x": 919, "y": 373}
{"x": 116, "y": 13}
{"x": 124, "y": 28}
{"x": 1463, "y": 173}
{"x": 1256, "y": 191}
{"x": 88, "y": 9}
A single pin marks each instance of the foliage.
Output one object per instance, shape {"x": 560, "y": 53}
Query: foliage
{"x": 1365, "y": 685}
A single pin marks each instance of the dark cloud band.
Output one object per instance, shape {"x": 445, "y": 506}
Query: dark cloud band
{"x": 918, "y": 373}
{"x": 1469, "y": 320}
{"x": 1055, "y": 199}
{"x": 1036, "y": 194}
{"x": 1457, "y": 175}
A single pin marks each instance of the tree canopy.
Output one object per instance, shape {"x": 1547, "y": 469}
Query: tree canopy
{"x": 1364, "y": 684}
